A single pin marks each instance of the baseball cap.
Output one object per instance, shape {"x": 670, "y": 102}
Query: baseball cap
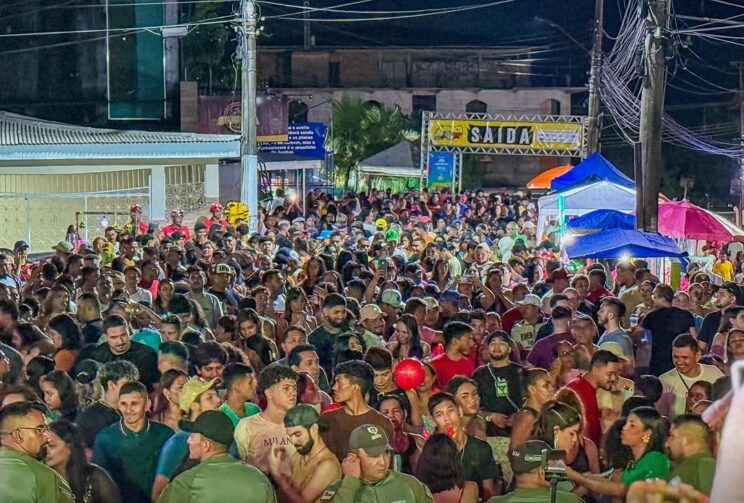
{"x": 381, "y": 223}
{"x": 20, "y": 245}
{"x": 301, "y": 415}
{"x": 431, "y": 303}
{"x": 391, "y": 235}
{"x": 392, "y": 297}
{"x": 450, "y": 296}
{"x": 223, "y": 269}
{"x": 731, "y": 287}
{"x": 371, "y": 438}
{"x": 213, "y": 424}
{"x": 527, "y": 456}
{"x": 531, "y": 300}
{"x": 370, "y": 312}
{"x": 191, "y": 390}
{"x": 64, "y": 247}
{"x": 528, "y": 225}
{"x": 614, "y": 348}
{"x": 501, "y": 335}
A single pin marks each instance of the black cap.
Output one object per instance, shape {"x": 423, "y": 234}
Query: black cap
{"x": 731, "y": 287}
{"x": 213, "y": 424}
{"x": 527, "y": 456}
{"x": 500, "y": 334}
{"x": 20, "y": 245}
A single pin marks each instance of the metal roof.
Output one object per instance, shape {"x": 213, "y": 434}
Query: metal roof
{"x": 28, "y": 138}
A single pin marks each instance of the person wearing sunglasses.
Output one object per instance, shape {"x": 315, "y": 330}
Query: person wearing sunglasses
{"x": 24, "y": 435}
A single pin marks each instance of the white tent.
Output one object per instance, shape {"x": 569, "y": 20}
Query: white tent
{"x": 399, "y": 160}
{"x": 579, "y": 200}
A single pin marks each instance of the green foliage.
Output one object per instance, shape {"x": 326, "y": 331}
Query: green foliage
{"x": 361, "y": 130}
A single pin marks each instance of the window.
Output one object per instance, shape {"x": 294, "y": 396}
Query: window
{"x": 554, "y": 107}
{"x": 476, "y": 107}
{"x": 394, "y": 73}
{"x": 334, "y": 74}
{"x": 297, "y": 111}
{"x": 423, "y": 103}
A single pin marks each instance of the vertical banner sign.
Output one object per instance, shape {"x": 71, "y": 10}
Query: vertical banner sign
{"x": 441, "y": 170}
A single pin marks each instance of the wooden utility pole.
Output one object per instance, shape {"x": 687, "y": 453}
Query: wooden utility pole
{"x": 594, "y": 77}
{"x": 652, "y": 108}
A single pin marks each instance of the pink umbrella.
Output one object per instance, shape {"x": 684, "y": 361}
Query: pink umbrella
{"x": 682, "y": 219}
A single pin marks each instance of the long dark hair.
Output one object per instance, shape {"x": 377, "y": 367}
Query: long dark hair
{"x": 417, "y": 350}
{"x": 68, "y": 394}
{"x": 439, "y": 466}
{"x": 259, "y": 343}
{"x": 77, "y": 467}
{"x": 653, "y": 421}
{"x": 68, "y": 329}
{"x": 615, "y": 453}
{"x": 554, "y": 414}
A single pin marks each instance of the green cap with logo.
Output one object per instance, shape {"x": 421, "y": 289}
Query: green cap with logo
{"x": 371, "y": 438}
{"x": 392, "y": 297}
{"x": 301, "y": 415}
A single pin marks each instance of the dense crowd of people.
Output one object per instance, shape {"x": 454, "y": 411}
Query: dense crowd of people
{"x": 378, "y": 347}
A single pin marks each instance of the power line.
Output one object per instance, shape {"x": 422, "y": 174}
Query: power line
{"x": 216, "y": 20}
{"x": 437, "y": 12}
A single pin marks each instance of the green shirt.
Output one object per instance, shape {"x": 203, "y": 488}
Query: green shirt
{"x": 396, "y": 487}
{"x": 25, "y": 480}
{"x": 652, "y": 465}
{"x": 537, "y": 495}
{"x": 220, "y": 479}
{"x": 131, "y": 457}
{"x": 250, "y": 409}
{"x": 697, "y": 470}
{"x": 371, "y": 340}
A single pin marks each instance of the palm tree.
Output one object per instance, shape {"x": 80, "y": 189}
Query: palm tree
{"x": 361, "y": 130}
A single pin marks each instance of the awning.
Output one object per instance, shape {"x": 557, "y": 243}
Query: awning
{"x": 617, "y": 243}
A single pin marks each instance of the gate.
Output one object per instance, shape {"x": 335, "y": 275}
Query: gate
{"x": 42, "y": 220}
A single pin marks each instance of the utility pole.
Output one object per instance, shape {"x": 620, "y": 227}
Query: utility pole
{"x": 652, "y": 108}
{"x": 594, "y": 76}
{"x": 248, "y": 120}
{"x": 306, "y": 35}
{"x": 740, "y": 66}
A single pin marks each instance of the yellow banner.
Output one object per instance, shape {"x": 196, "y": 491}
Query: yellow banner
{"x": 503, "y": 134}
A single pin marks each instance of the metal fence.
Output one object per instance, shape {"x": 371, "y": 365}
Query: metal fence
{"x": 42, "y": 220}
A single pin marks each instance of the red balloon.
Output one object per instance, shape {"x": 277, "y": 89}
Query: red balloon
{"x": 409, "y": 374}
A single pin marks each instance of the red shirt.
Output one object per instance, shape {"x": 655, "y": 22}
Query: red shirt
{"x": 212, "y": 221}
{"x": 170, "y": 229}
{"x": 447, "y": 368}
{"x": 510, "y": 318}
{"x": 588, "y": 397}
{"x": 596, "y": 296}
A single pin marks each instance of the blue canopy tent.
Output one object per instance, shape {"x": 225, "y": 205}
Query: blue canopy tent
{"x": 595, "y": 167}
{"x": 599, "y": 220}
{"x": 616, "y": 243}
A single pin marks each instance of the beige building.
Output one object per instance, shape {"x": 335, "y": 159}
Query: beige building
{"x": 49, "y": 172}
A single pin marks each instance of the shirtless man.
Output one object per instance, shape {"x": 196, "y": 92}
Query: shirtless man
{"x": 313, "y": 468}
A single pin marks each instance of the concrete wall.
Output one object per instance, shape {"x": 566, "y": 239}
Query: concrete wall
{"x": 514, "y": 101}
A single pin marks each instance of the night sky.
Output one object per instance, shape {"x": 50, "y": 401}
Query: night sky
{"x": 518, "y": 23}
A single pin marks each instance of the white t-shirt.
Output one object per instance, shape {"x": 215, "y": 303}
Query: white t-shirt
{"x": 675, "y": 386}
{"x": 255, "y": 437}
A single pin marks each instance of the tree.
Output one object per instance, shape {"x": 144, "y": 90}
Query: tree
{"x": 361, "y": 130}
